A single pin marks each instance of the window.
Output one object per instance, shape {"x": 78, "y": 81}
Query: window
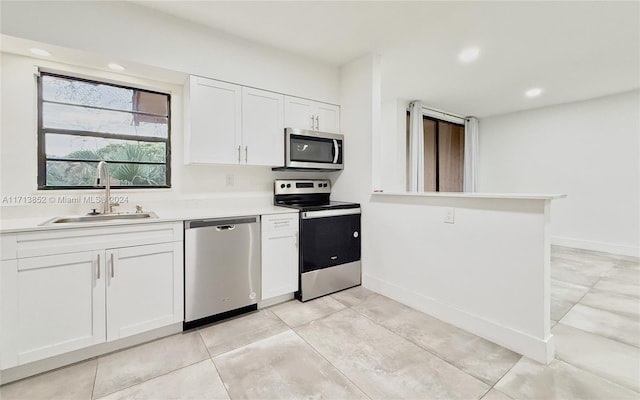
{"x": 443, "y": 155}
{"x": 81, "y": 122}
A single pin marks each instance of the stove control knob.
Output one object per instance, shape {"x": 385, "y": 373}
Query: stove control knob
{"x": 325, "y": 185}
{"x": 356, "y": 234}
{"x": 288, "y": 185}
{"x": 282, "y": 185}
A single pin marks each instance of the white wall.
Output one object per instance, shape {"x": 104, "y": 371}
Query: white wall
{"x": 589, "y": 150}
{"x": 488, "y": 273}
{"x": 390, "y": 165}
{"x": 129, "y": 32}
{"x": 359, "y": 117}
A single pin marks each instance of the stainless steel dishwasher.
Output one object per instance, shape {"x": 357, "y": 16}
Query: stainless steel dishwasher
{"x": 221, "y": 268}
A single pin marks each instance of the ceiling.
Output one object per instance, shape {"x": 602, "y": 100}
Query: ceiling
{"x": 572, "y": 50}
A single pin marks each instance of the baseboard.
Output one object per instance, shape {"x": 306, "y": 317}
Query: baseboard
{"x": 613, "y": 248}
{"x": 275, "y": 300}
{"x": 541, "y": 350}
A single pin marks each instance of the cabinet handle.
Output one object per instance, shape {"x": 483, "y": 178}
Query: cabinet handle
{"x": 312, "y": 122}
{"x": 113, "y": 273}
{"x": 317, "y": 123}
{"x": 246, "y": 154}
{"x": 98, "y": 266}
{"x": 238, "y": 154}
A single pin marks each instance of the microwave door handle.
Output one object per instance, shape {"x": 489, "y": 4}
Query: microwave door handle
{"x": 336, "y": 151}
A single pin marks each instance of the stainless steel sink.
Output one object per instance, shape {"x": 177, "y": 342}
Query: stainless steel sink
{"x": 75, "y": 219}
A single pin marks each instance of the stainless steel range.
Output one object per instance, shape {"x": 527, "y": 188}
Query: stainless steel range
{"x": 329, "y": 236}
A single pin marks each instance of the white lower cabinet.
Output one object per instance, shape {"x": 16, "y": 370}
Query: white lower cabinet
{"x": 53, "y": 304}
{"x": 57, "y": 305}
{"x": 279, "y": 254}
{"x": 141, "y": 284}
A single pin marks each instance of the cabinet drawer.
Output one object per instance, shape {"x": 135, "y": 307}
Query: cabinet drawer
{"x": 33, "y": 244}
{"x": 8, "y": 247}
{"x": 280, "y": 222}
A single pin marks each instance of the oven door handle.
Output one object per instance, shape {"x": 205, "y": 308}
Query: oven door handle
{"x": 330, "y": 213}
{"x": 336, "y": 151}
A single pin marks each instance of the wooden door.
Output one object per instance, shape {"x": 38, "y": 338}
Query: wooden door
{"x": 450, "y": 157}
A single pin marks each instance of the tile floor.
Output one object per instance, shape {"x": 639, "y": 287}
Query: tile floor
{"x": 360, "y": 345}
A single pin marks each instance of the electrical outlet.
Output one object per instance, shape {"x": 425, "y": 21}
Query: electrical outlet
{"x": 230, "y": 180}
{"x": 450, "y": 215}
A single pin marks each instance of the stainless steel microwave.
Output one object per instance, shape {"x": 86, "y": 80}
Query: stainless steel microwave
{"x": 313, "y": 150}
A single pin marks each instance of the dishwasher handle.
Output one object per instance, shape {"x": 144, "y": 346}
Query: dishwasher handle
{"x": 227, "y": 224}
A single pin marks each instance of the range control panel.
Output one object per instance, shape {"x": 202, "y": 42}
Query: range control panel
{"x": 302, "y": 186}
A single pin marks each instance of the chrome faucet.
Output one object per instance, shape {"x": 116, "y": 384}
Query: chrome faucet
{"x": 103, "y": 178}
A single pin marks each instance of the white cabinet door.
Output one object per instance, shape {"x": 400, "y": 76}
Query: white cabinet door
{"x": 299, "y": 113}
{"x": 328, "y": 118}
{"x": 144, "y": 288}
{"x": 311, "y": 115}
{"x": 56, "y": 305}
{"x": 8, "y": 246}
{"x": 8, "y": 313}
{"x": 214, "y": 131}
{"x": 279, "y": 255}
{"x": 262, "y": 127}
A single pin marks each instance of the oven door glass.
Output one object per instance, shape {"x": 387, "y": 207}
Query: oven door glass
{"x": 329, "y": 241}
{"x": 315, "y": 150}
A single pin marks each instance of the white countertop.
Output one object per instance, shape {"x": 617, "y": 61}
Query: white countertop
{"x": 15, "y": 225}
{"x": 182, "y": 211}
{"x": 476, "y": 195}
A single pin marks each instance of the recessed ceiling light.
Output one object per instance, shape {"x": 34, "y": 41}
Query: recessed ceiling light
{"x": 40, "y": 52}
{"x": 116, "y": 67}
{"x": 469, "y": 54}
{"x": 533, "y": 92}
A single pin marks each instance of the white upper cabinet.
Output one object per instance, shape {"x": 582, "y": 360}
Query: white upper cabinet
{"x": 311, "y": 115}
{"x": 299, "y": 113}
{"x": 262, "y": 127}
{"x": 328, "y": 118}
{"x": 233, "y": 124}
{"x": 214, "y": 127}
